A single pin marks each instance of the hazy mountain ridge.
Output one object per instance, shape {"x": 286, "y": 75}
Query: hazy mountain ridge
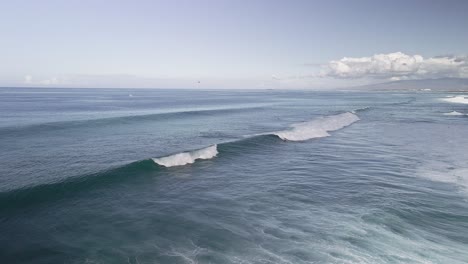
{"x": 442, "y": 84}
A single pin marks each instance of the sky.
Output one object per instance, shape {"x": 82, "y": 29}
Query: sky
{"x": 229, "y": 44}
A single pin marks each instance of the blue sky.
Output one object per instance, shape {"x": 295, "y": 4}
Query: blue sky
{"x": 229, "y": 44}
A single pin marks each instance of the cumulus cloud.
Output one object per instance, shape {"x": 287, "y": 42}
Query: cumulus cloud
{"x": 396, "y": 66}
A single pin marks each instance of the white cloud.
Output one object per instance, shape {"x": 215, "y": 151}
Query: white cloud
{"x": 28, "y": 79}
{"x": 51, "y": 81}
{"x": 396, "y": 66}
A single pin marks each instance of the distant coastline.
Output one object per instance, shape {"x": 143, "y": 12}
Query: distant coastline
{"x": 453, "y": 85}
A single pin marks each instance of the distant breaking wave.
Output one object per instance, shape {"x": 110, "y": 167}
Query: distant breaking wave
{"x": 361, "y": 109}
{"x": 184, "y": 158}
{"x": 454, "y": 113}
{"x": 460, "y": 99}
{"x": 317, "y": 128}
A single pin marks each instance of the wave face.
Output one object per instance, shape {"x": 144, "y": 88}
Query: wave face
{"x": 460, "y": 99}
{"x": 32, "y": 195}
{"x": 317, "y": 128}
{"x": 184, "y": 158}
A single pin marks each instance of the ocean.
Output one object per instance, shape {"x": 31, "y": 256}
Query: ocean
{"x": 232, "y": 176}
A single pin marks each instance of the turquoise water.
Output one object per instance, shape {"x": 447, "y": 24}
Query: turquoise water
{"x": 181, "y": 176}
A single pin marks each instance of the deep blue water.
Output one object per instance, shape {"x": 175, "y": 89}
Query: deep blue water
{"x": 87, "y": 176}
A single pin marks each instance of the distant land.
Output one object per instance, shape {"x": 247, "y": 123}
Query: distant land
{"x": 455, "y": 85}
{"x": 442, "y": 84}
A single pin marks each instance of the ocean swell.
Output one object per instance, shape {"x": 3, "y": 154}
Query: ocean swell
{"x": 316, "y": 128}
{"x": 23, "y": 197}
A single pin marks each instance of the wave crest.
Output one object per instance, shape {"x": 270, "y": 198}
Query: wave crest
{"x": 317, "y": 128}
{"x": 460, "y": 99}
{"x": 184, "y": 158}
{"x": 361, "y": 109}
{"x": 454, "y": 113}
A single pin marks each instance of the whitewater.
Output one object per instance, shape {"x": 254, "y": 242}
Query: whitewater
{"x": 459, "y": 99}
{"x": 184, "y": 158}
{"x": 317, "y": 128}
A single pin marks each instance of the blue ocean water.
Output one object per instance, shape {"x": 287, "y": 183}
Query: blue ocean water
{"x": 244, "y": 176}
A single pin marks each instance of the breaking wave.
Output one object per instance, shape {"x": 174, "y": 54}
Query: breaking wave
{"x": 459, "y": 99}
{"x": 317, "y": 128}
{"x": 362, "y": 109}
{"x": 454, "y": 113}
{"x": 184, "y": 158}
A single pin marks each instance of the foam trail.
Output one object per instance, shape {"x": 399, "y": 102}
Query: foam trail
{"x": 438, "y": 173}
{"x": 454, "y": 113}
{"x": 184, "y": 158}
{"x": 317, "y": 128}
{"x": 460, "y": 99}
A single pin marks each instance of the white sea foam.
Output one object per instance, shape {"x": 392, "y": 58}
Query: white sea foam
{"x": 458, "y": 176}
{"x": 454, "y": 113}
{"x": 184, "y": 158}
{"x": 317, "y": 128}
{"x": 460, "y": 99}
